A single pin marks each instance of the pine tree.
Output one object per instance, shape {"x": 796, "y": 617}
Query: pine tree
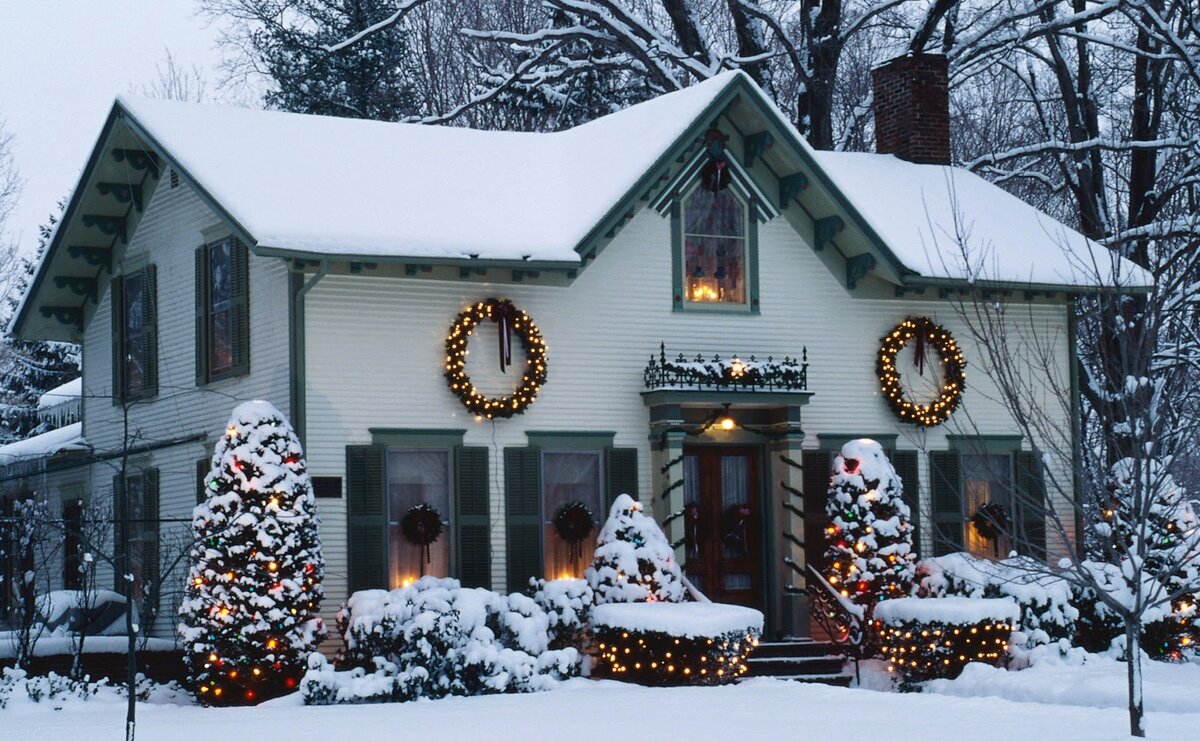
{"x": 869, "y": 556}
{"x": 250, "y": 616}
{"x": 633, "y": 560}
{"x": 372, "y": 79}
{"x": 30, "y": 368}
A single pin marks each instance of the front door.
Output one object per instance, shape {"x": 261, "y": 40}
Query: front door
{"x": 723, "y": 523}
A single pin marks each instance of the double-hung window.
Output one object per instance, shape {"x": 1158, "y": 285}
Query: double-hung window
{"x": 418, "y": 495}
{"x": 222, "y": 315}
{"x": 571, "y": 496}
{"x": 135, "y": 334}
{"x": 715, "y": 254}
{"x": 135, "y": 518}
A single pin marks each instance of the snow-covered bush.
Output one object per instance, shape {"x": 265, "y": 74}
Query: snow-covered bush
{"x": 664, "y": 644}
{"x": 634, "y": 561}
{"x": 568, "y": 606}
{"x": 1049, "y": 613}
{"x": 435, "y": 638}
{"x": 935, "y": 638}
{"x": 16, "y": 686}
{"x": 251, "y": 613}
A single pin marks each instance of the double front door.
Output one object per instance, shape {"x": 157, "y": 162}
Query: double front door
{"x": 723, "y": 523}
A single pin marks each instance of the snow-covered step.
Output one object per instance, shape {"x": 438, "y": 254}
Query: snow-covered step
{"x": 776, "y": 666}
{"x": 837, "y": 679}
{"x": 795, "y": 647}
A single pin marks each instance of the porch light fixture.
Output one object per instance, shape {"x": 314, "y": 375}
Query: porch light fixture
{"x": 727, "y": 423}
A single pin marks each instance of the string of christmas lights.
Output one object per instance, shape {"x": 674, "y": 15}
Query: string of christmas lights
{"x": 954, "y": 378}
{"x": 456, "y": 359}
{"x": 660, "y": 659}
{"x": 919, "y": 651}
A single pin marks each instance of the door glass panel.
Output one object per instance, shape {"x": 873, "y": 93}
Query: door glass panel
{"x": 691, "y": 479}
{"x": 737, "y": 582}
{"x": 570, "y": 479}
{"x": 417, "y": 477}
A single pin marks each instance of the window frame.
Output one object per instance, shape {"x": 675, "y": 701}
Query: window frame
{"x": 448, "y": 517}
{"x": 239, "y": 264}
{"x": 680, "y": 302}
{"x": 547, "y": 518}
{"x": 148, "y": 336}
{"x": 148, "y": 529}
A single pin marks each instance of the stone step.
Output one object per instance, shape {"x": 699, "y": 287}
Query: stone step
{"x": 794, "y": 665}
{"x": 795, "y": 648}
{"x": 833, "y": 679}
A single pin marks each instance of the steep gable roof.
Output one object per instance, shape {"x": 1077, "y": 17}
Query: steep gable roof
{"x": 313, "y": 187}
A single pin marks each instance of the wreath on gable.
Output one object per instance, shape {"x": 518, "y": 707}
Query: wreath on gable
{"x": 509, "y": 319}
{"x": 924, "y": 333}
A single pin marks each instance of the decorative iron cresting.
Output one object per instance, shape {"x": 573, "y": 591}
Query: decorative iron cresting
{"x": 732, "y": 374}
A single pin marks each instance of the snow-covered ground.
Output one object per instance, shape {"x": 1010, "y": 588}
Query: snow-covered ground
{"x": 759, "y": 708}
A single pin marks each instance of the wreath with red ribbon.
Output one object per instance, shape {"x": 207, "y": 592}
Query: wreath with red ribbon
{"x": 924, "y": 333}
{"x": 509, "y": 320}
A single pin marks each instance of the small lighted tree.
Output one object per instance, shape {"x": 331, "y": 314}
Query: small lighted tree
{"x": 250, "y": 615}
{"x": 634, "y": 561}
{"x": 869, "y": 557}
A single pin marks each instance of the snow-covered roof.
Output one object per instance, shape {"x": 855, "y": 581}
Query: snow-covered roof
{"x": 59, "y": 395}
{"x": 340, "y": 186}
{"x": 46, "y": 444}
{"x": 947, "y": 222}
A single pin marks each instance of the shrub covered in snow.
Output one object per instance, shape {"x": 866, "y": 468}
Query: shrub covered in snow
{"x": 869, "y": 557}
{"x": 1048, "y": 611}
{"x": 435, "y": 638}
{"x": 634, "y": 561}
{"x": 17, "y": 687}
{"x": 935, "y": 638}
{"x": 660, "y": 643}
{"x": 251, "y": 612}
{"x": 568, "y": 606}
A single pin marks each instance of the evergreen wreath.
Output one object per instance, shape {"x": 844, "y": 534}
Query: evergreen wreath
{"x": 573, "y": 523}
{"x": 510, "y": 318}
{"x": 421, "y": 525}
{"x": 990, "y": 520}
{"x": 924, "y": 331}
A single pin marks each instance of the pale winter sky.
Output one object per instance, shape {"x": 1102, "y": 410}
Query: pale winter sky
{"x": 61, "y": 64}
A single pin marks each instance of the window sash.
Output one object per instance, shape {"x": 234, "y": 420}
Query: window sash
{"x": 704, "y": 235}
{"x": 415, "y": 476}
{"x": 569, "y": 476}
{"x": 986, "y": 477}
{"x": 133, "y": 348}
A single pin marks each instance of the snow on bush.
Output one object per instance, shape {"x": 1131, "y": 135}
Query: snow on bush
{"x": 568, "y": 606}
{"x": 1048, "y": 613}
{"x": 634, "y": 562}
{"x": 927, "y": 639}
{"x": 435, "y": 638}
{"x": 17, "y": 687}
{"x": 663, "y": 643}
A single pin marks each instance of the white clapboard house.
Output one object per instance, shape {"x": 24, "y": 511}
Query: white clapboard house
{"x": 710, "y": 292}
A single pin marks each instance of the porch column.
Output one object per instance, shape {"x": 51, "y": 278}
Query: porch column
{"x": 668, "y": 498}
{"x": 793, "y": 597}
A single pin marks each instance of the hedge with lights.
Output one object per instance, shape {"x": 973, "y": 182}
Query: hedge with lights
{"x": 925, "y": 639}
{"x": 923, "y": 331}
{"x": 509, "y": 318}
{"x": 251, "y": 613}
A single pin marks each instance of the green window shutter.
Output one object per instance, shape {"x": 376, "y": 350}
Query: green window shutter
{"x": 150, "y": 535}
{"x": 201, "y": 315}
{"x": 622, "y": 467}
{"x": 117, "y": 294}
{"x": 1030, "y": 505}
{"x": 203, "y": 466}
{"x": 523, "y": 516}
{"x": 239, "y": 284}
{"x": 118, "y": 492}
{"x": 473, "y": 535}
{"x": 905, "y": 462}
{"x": 366, "y": 512}
{"x": 150, "y": 330}
{"x": 945, "y": 479}
{"x": 817, "y": 468}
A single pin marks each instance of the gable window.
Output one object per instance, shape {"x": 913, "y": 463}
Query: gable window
{"x": 135, "y": 335}
{"x": 570, "y": 484}
{"x": 416, "y": 478}
{"x": 222, "y": 317}
{"x": 714, "y": 247}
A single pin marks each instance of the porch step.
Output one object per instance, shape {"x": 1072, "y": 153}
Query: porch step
{"x": 801, "y": 660}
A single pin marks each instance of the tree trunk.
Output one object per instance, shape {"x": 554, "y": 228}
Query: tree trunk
{"x": 1133, "y": 666}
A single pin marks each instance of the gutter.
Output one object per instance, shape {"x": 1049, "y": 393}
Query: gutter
{"x": 297, "y": 376}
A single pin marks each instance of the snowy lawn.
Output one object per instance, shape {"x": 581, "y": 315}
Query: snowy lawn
{"x": 584, "y": 709}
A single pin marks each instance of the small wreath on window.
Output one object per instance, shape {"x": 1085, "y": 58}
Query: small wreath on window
{"x": 990, "y": 521}
{"x": 574, "y": 522}
{"x": 924, "y": 332}
{"x": 421, "y": 525}
{"x": 509, "y": 319}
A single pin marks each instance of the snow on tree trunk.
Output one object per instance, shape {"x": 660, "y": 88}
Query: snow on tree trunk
{"x": 250, "y": 616}
{"x": 869, "y": 556}
{"x": 1133, "y": 661}
{"x": 633, "y": 561}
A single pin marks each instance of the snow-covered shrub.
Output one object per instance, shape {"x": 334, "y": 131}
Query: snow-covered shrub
{"x": 568, "y": 605}
{"x": 935, "y": 638}
{"x": 435, "y": 638}
{"x": 17, "y": 686}
{"x": 1099, "y": 626}
{"x": 634, "y": 562}
{"x": 663, "y": 644}
{"x": 1048, "y": 612}
{"x": 251, "y": 613}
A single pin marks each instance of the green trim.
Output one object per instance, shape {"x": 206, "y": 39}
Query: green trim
{"x": 833, "y": 441}
{"x": 676, "y": 257}
{"x": 752, "y": 267}
{"x": 555, "y": 440}
{"x": 296, "y": 395}
{"x": 415, "y": 437}
{"x": 984, "y": 443}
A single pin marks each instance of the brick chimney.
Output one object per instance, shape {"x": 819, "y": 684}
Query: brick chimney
{"x": 912, "y": 108}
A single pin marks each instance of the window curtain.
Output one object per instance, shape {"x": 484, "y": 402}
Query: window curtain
{"x": 567, "y": 478}
{"x": 417, "y": 477}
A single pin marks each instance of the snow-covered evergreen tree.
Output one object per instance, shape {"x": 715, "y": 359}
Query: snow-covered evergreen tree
{"x": 250, "y": 615}
{"x": 633, "y": 561}
{"x": 29, "y": 369}
{"x": 869, "y": 556}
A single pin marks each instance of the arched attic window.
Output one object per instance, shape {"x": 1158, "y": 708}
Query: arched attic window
{"x": 716, "y": 229}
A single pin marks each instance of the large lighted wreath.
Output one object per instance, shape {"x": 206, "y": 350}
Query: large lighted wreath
{"x": 509, "y": 319}
{"x": 925, "y": 333}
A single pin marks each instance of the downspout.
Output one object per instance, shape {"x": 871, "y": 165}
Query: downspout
{"x": 298, "y": 376}
{"x": 1076, "y": 425}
